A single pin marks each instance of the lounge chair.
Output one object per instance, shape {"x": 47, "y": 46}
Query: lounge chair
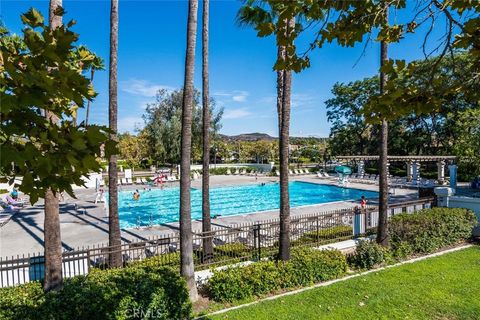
{"x": 229, "y": 172}
{"x": 290, "y": 172}
{"x": 320, "y": 174}
{"x": 237, "y": 172}
{"x": 138, "y": 181}
{"x": 123, "y": 181}
{"x": 129, "y": 181}
{"x": 277, "y": 173}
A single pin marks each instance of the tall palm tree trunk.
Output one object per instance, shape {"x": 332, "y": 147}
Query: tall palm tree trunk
{"x": 382, "y": 231}
{"x": 114, "y": 236}
{"x": 87, "y": 115}
{"x": 284, "y": 124}
{"x": 186, "y": 245}
{"x": 52, "y": 237}
{"x": 206, "y": 223}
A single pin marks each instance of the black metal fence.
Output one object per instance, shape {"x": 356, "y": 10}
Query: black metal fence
{"x": 232, "y": 244}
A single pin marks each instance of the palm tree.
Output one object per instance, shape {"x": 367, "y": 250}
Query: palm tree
{"x": 97, "y": 64}
{"x": 186, "y": 244}
{"x": 114, "y": 236}
{"x": 284, "y": 133}
{"x": 382, "y": 230}
{"x": 253, "y": 16}
{"x": 52, "y": 238}
{"x": 206, "y": 223}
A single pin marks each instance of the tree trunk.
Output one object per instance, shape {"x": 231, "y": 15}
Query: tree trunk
{"x": 382, "y": 230}
{"x": 87, "y": 115}
{"x": 52, "y": 237}
{"x": 114, "y": 236}
{"x": 186, "y": 245}
{"x": 284, "y": 123}
{"x": 206, "y": 223}
{"x": 53, "y": 244}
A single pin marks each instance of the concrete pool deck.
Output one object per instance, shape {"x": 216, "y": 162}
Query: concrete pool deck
{"x": 84, "y": 223}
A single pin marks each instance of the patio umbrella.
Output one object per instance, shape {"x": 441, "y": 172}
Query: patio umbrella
{"x": 343, "y": 170}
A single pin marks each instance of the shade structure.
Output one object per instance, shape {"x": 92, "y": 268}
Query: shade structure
{"x": 343, "y": 170}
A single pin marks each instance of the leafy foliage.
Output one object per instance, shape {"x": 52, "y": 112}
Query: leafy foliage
{"x": 306, "y": 266}
{"x": 368, "y": 254}
{"x": 103, "y": 294}
{"x": 42, "y": 72}
{"x": 431, "y": 229}
{"x": 163, "y": 126}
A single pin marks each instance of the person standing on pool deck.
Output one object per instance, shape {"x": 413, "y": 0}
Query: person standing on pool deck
{"x": 363, "y": 203}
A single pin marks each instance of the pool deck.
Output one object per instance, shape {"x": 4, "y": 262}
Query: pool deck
{"x": 84, "y": 223}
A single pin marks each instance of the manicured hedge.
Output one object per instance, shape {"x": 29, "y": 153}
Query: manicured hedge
{"x": 306, "y": 266}
{"x": 368, "y": 255}
{"x": 431, "y": 229}
{"x": 104, "y": 294}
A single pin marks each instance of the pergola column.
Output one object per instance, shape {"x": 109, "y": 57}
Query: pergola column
{"x": 416, "y": 172}
{"x": 441, "y": 171}
{"x": 453, "y": 176}
{"x": 361, "y": 168}
{"x": 409, "y": 171}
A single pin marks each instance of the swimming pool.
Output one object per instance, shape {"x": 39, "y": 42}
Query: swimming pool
{"x": 162, "y": 206}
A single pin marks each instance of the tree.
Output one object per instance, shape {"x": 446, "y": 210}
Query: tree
{"x": 467, "y": 142}
{"x": 382, "y": 230}
{"x": 51, "y": 225}
{"x": 41, "y": 71}
{"x": 258, "y": 14}
{"x": 114, "y": 235}
{"x": 206, "y": 223}
{"x": 132, "y": 148}
{"x": 163, "y": 125}
{"x": 186, "y": 240}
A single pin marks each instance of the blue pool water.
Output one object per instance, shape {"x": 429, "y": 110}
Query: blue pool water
{"x": 162, "y": 206}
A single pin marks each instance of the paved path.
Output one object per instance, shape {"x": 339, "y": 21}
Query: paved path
{"x": 84, "y": 223}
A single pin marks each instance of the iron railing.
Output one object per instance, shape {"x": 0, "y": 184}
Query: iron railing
{"x": 231, "y": 244}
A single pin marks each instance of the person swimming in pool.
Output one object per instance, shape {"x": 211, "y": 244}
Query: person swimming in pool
{"x": 136, "y": 195}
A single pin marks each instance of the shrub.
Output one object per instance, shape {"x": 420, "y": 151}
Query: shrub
{"x": 232, "y": 249}
{"x": 312, "y": 265}
{"x": 103, "y": 294}
{"x": 401, "y": 250}
{"x": 337, "y": 232}
{"x": 306, "y": 266}
{"x": 431, "y": 229}
{"x": 368, "y": 254}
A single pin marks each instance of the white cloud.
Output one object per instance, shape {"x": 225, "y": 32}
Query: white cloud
{"x": 236, "y": 95}
{"x": 236, "y": 113}
{"x": 142, "y": 87}
{"x": 301, "y": 99}
{"x": 129, "y": 124}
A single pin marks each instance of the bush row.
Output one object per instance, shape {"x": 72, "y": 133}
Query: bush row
{"x": 431, "y": 229}
{"x": 425, "y": 231}
{"x": 137, "y": 292}
{"x": 306, "y": 266}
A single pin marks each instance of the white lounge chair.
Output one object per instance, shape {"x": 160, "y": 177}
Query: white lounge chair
{"x": 290, "y": 172}
{"x": 123, "y": 181}
{"x": 229, "y": 172}
{"x": 277, "y": 173}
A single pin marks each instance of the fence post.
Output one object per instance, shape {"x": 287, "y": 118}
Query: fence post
{"x": 257, "y": 240}
{"x": 318, "y": 235}
{"x": 357, "y": 214}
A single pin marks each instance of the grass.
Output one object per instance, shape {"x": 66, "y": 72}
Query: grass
{"x": 445, "y": 287}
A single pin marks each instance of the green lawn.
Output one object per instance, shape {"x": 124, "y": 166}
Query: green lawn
{"x": 445, "y": 287}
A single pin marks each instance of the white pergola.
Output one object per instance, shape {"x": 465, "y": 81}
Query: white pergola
{"x": 413, "y": 165}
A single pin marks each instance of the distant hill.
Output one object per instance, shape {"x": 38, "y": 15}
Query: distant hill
{"x": 248, "y": 137}
{"x": 262, "y": 136}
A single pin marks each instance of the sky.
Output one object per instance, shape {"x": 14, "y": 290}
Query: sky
{"x": 152, "y": 42}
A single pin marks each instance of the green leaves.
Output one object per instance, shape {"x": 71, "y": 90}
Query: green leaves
{"x": 42, "y": 72}
{"x": 32, "y": 18}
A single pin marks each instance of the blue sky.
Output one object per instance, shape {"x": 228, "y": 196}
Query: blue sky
{"x": 151, "y": 56}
